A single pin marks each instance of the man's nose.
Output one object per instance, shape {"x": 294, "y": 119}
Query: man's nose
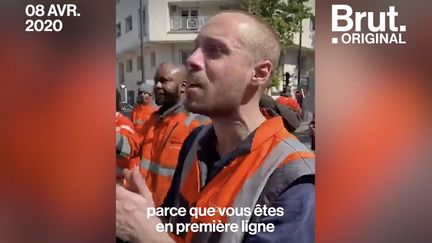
{"x": 195, "y": 61}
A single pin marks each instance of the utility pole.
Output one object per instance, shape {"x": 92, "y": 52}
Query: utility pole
{"x": 141, "y": 40}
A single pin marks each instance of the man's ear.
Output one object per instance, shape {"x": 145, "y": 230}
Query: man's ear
{"x": 183, "y": 86}
{"x": 262, "y": 73}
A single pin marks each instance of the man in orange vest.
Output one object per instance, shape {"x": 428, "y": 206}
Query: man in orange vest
{"x": 241, "y": 161}
{"x": 143, "y": 110}
{"x": 163, "y": 134}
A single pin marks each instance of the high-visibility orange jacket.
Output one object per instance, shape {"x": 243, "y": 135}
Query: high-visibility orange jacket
{"x": 125, "y": 128}
{"x": 289, "y": 102}
{"x": 163, "y": 136}
{"x": 140, "y": 114}
{"x": 248, "y": 180}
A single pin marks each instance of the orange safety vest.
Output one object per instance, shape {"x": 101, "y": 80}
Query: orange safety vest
{"x": 140, "y": 114}
{"x": 247, "y": 181}
{"x": 125, "y": 129}
{"x": 163, "y": 138}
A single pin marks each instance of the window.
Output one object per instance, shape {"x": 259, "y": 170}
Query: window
{"x": 139, "y": 63}
{"x": 143, "y": 17}
{"x": 128, "y": 26}
{"x": 312, "y": 22}
{"x": 129, "y": 65}
{"x": 153, "y": 59}
{"x": 118, "y": 29}
{"x": 121, "y": 72}
{"x": 184, "y": 54}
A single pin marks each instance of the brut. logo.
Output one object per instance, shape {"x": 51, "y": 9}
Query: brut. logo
{"x": 381, "y": 27}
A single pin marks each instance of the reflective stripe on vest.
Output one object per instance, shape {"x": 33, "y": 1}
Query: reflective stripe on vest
{"x": 189, "y": 119}
{"x": 191, "y": 156}
{"x": 252, "y": 188}
{"x": 281, "y": 179}
{"x": 139, "y": 122}
{"x": 156, "y": 168}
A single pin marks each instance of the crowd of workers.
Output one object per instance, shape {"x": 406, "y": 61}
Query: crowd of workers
{"x": 215, "y": 139}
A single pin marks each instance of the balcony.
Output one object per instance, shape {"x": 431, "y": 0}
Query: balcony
{"x": 187, "y": 24}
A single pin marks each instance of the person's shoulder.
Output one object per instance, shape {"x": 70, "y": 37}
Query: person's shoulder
{"x": 303, "y": 187}
{"x": 281, "y": 100}
{"x": 188, "y": 142}
{"x": 195, "y": 131}
{"x": 154, "y": 114}
{"x": 190, "y": 138}
{"x": 291, "y": 118}
{"x": 297, "y": 196}
{"x": 297, "y": 222}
